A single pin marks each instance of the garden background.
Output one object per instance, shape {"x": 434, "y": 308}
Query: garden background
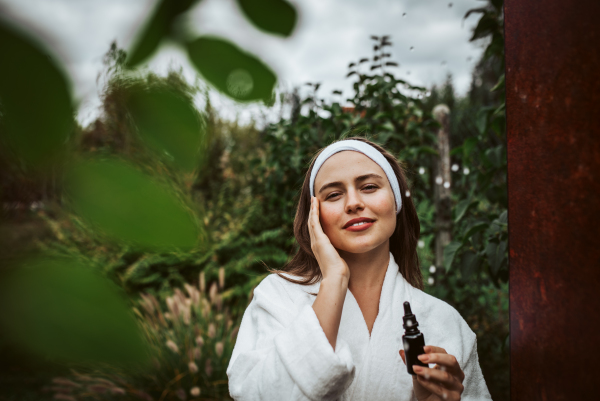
{"x": 131, "y": 246}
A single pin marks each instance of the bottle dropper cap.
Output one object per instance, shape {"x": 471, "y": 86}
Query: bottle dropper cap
{"x": 410, "y": 321}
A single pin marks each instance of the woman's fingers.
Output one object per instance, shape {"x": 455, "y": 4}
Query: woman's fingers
{"x": 444, "y": 378}
{"x": 310, "y": 221}
{"x": 438, "y": 389}
{"x": 445, "y": 362}
{"x": 326, "y": 254}
{"x": 402, "y": 356}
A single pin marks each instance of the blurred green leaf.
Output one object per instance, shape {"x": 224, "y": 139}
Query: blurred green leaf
{"x": 495, "y": 155}
{"x": 475, "y": 228}
{"x": 470, "y": 263}
{"x": 495, "y": 254}
{"x": 231, "y": 70}
{"x": 157, "y": 27}
{"x": 427, "y": 150}
{"x": 130, "y": 205}
{"x": 168, "y": 123}
{"x": 499, "y": 84}
{"x": 456, "y": 151}
{"x": 60, "y": 308}
{"x": 486, "y": 26}
{"x": 36, "y": 98}
{"x": 449, "y": 253}
{"x": 468, "y": 146}
{"x": 503, "y": 218}
{"x": 462, "y": 208}
{"x": 482, "y": 117}
{"x": 273, "y": 16}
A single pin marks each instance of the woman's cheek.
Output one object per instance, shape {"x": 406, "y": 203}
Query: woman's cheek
{"x": 328, "y": 217}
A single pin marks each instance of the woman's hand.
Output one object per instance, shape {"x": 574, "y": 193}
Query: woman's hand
{"x": 330, "y": 261}
{"x": 443, "y": 381}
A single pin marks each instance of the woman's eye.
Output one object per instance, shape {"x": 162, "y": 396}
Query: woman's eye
{"x": 370, "y": 186}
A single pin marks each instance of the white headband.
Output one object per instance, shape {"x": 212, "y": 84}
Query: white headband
{"x": 370, "y": 152}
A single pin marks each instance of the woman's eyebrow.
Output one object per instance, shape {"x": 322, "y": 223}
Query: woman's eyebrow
{"x": 358, "y": 179}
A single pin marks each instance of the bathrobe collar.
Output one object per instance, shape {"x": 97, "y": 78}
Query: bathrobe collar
{"x": 353, "y": 328}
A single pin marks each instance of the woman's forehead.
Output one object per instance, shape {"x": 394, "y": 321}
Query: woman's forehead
{"x": 346, "y": 165}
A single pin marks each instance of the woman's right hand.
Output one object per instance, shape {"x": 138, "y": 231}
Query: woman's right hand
{"x": 330, "y": 261}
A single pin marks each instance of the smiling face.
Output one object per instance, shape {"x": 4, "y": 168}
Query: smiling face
{"x": 349, "y": 185}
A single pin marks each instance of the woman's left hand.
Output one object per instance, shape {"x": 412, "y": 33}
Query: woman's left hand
{"x": 443, "y": 381}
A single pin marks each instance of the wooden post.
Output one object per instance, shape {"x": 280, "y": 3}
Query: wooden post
{"x": 442, "y": 184}
{"x": 553, "y": 142}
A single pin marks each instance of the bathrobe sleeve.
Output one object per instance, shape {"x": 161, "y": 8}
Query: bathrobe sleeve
{"x": 282, "y": 353}
{"x": 474, "y": 383}
{"x": 464, "y": 344}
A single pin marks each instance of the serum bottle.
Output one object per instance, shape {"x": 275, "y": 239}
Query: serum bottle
{"x": 412, "y": 340}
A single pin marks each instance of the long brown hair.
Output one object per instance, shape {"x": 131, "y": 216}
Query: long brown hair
{"x": 403, "y": 243}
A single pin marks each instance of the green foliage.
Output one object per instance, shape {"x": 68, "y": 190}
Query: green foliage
{"x": 272, "y": 16}
{"x": 160, "y": 24}
{"x": 192, "y": 337}
{"x": 36, "y": 107}
{"x": 168, "y": 123}
{"x": 116, "y": 198}
{"x": 231, "y": 70}
{"x": 62, "y": 309}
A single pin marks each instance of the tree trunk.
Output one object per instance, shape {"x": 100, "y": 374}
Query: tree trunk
{"x": 442, "y": 184}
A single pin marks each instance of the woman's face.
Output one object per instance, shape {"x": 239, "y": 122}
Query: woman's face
{"x": 349, "y": 186}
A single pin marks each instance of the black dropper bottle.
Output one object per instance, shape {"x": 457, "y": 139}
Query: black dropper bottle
{"x": 412, "y": 340}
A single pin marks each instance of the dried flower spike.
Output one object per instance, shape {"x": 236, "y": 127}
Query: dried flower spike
{"x": 193, "y": 367}
{"x": 202, "y": 283}
{"x": 221, "y": 278}
{"x": 172, "y": 346}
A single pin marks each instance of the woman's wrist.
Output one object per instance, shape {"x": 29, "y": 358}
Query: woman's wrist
{"x": 337, "y": 273}
{"x": 336, "y": 280}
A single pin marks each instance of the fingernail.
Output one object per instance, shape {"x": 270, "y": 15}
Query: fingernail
{"x": 423, "y": 357}
{"x": 417, "y": 368}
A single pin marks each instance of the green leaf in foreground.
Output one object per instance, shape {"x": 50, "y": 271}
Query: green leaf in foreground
{"x": 168, "y": 123}
{"x": 35, "y": 98}
{"x": 449, "y": 253}
{"x": 60, "y": 308}
{"x": 157, "y": 27}
{"x": 273, "y": 16}
{"x": 130, "y": 206}
{"x": 231, "y": 70}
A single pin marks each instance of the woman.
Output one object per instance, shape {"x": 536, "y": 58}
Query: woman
{"x": 329, "y": 326}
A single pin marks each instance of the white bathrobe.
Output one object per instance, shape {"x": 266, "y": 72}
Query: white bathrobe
{"x": 282, "y": 353}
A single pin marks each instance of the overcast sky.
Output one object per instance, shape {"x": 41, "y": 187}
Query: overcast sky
{"x": 329, "y": 35}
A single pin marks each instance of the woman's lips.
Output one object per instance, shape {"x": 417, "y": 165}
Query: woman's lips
{"x": 362, "y": 227}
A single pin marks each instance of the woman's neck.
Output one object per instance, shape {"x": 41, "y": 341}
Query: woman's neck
{"x": 367, "y": 270}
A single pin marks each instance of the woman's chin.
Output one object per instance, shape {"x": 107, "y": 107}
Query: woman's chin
{"x": 357, "y": 248}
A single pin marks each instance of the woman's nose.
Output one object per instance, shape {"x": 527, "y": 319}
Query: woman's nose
{"x": 354, "y": 201}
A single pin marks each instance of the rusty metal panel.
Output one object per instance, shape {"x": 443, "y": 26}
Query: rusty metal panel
{"x": 553, "y": 139}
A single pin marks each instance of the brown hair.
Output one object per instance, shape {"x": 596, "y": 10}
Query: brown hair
{"x": 403, "y": 242}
